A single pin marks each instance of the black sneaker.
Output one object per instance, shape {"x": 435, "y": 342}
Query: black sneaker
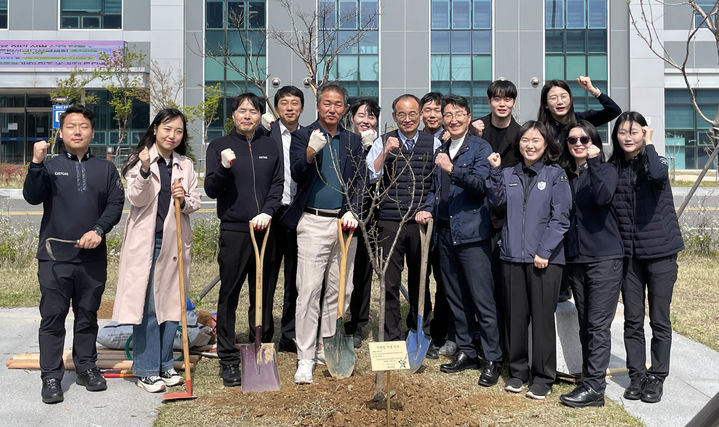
{"x": 514, "y": 385}
{"x": 653, "y": 389}
{"x": 538, "y": 391}
{"x": 231, "y": 375}
{"x": 92, "y": 379}
{"x": 432, "y": 351}
{"x": 51, "y": 391}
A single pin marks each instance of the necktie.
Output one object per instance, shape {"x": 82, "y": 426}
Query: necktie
{"x": 410, "y": 144}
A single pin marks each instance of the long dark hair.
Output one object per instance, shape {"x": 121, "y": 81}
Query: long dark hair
{"x": 617, "y": 157}
{"x": 551, "y": 150}
{"x": 148, "y": 139}
{"x": 591, "y": 131}
{"x": 543, "y": 115}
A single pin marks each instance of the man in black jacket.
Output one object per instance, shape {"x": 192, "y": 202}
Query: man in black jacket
{"x": 244, "y": 174}
{"x": 327, "y": 164}
{"x": 82, "y": 199}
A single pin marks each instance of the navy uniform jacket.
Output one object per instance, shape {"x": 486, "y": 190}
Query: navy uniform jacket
{"x": 352, "y": 166}
{"x": 77, "y": 196}
{"x": 537, "y": 219}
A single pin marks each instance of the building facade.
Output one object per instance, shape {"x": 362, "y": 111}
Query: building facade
{"x": 408, "y": 46}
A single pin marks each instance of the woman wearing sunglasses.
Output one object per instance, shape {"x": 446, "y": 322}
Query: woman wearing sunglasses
{"x": 594, "y": 252}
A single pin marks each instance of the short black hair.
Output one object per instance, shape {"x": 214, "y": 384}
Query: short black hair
{"x": 404, "y": 96}
{"x": 289, "y": 91}
{"x": 430, "y": 97}
{"x": 255, "y": 100}
{"x": 503, "y": 88}
{"x": 551, "y": 150}
{"x": 371, "y": 103}
{"x": 81, "y": 109}
{"x": 331, "y": 86}
{"x": 457, "y": 101}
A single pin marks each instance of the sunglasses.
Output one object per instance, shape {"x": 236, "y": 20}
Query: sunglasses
{"x": 583, "y": 139}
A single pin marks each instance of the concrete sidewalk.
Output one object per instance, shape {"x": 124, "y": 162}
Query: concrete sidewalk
{"x": 122, "y": 404}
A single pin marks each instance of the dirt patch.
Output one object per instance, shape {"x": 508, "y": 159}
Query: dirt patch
{"x": 105, "y": 310}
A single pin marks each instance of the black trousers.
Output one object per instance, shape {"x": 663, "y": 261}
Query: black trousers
{"x": 407, "y": 248}
{"x": 237, "y": 263}
{"x": 596, "y": 288}
{"x": 63, "y": 283}
{"x": 531, "y": 293}
{"x": 441, "y": 327}
{"x": 467, "y": 274}
{"x": 362, "y": 290}
{"x": 657, "y": 277}
{"x": 497, "y": 278}
{"x": 281, "y": 245}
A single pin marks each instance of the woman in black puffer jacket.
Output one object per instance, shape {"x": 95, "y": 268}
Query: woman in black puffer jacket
{"x": 650, "y": 234}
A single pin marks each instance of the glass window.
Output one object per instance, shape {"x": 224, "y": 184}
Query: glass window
{"x": 482, "y": 42}
{"x": 554, "y": 14}
{"x": 347, "y": 67}
{"x": 481, "y": 67}
{"x": 576, "y": 42}
{"x": 554, "y": 41}
{"x": 461, "y": 42}
{"x": 327, "y": 14}
{"x": 597, "y": 67}
{"x": 554, "y": 67}
{"x": 3, "y": 13}
{"x": 440, "y": 14}
{"x": 440, "y": 41}
{"x": 440, "y": 67}
{"x": 597, "y": 41}
{"x": 576, "y": 13}
{"x": 90, "y": 14}
{"x": 256, "y": 14}
{"x": 369, "y": 43}
{"x": 369, "y": 67}
{"x": 462, "y": 89}
{"x": 482, "y": 14}
{"x": 707, "y": 6}
{"x": 368, "y": 14}
{"x": 461, "y": 67}
{"x": 214, "y": 13}
{"x": 461, "y": 14}
{"x": 597, "y": 14}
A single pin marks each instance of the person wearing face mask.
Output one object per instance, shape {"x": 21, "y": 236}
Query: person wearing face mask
{"x": 594, "y": 252}
{"x": 401, "y": 161}
{"x": 457, "y": 203}
{"x": 147, "y": 295}
{"x": 244, "y": 173}
{"x": 364, "y": 113}
{"x": 536, "y": 197}
{"x": 652, "y": 239}
{"x": 556, "y": 106}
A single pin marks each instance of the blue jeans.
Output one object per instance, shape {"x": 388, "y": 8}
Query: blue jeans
{"x": 152, "y": 343}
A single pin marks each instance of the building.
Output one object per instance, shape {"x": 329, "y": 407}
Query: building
{"x": 410, "y": 46}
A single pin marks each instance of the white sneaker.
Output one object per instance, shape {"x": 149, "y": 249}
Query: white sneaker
{"x": 320, "y": 357}
{"x": 171, "y": 378}
{"x": 304, "y": 371}
{"x": 153, "y": 384}
{"x": 449, "y": 348}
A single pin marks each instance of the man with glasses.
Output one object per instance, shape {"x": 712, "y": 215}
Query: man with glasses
{"x": 457, "y": 202}
{"x": 402, "y": 161}
{"x": 326, "y": 162}
{"x": 244, "y": 174}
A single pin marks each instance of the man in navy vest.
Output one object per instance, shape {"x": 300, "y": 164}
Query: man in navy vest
{"x": 326, "y": 162}
{"x": 403, "y": 160}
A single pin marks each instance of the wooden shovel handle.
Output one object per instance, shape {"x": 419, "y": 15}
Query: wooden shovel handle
{"x": 425, "y": 238}
{"x": 259, "y": 257}
{"x": 344, "y": 249}
{"x": 183, "y": 300}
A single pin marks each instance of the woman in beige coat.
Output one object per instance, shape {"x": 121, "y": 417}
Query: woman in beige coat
{"x": 147, "y": 296}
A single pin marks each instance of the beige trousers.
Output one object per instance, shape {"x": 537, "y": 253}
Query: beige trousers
{"x": 318, "y": 260}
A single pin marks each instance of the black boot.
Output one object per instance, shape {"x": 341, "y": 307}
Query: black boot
{"x": 51, "y": 390}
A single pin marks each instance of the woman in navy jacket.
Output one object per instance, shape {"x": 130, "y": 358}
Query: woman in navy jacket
{"x": 650, "y": 233}
{"x": 594, "y": 257}
{"x": 536, "y": 196}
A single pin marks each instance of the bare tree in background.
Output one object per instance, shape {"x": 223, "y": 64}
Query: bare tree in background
{"x": 646, "y": 29}
{"x": 252, "y": 48}
{"x": 165, "y": 87}
{"x": 71, "y": 90}
{"x": 314, "y": 37}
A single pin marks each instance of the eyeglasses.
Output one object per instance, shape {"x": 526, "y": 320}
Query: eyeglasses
{"x": 458, "y": 115}
{"x": 573, "y": 140}
{"x": 412, "y": 115}
{"x": 554, "y": 98}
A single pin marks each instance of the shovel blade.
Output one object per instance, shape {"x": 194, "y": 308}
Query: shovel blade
{"x": 339, "y": 353}
{"x": 259, "y": 368}
{"x": 417, "y": 346}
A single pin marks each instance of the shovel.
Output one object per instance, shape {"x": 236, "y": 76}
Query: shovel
{"x": 259, "y": 360}
{"x": 339, "y": 349}
{"x": 417, "y": 343}
{"x": 183, "y": 314}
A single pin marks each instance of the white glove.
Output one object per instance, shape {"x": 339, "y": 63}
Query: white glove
{"x": 261, "y": 221}
{"x": 267, "y": 119}
{"x": 317, "y": 140}
{"x": 368, "y": 137}
{"x": 348, "y": 221}
{"x": 227, "y": 156}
